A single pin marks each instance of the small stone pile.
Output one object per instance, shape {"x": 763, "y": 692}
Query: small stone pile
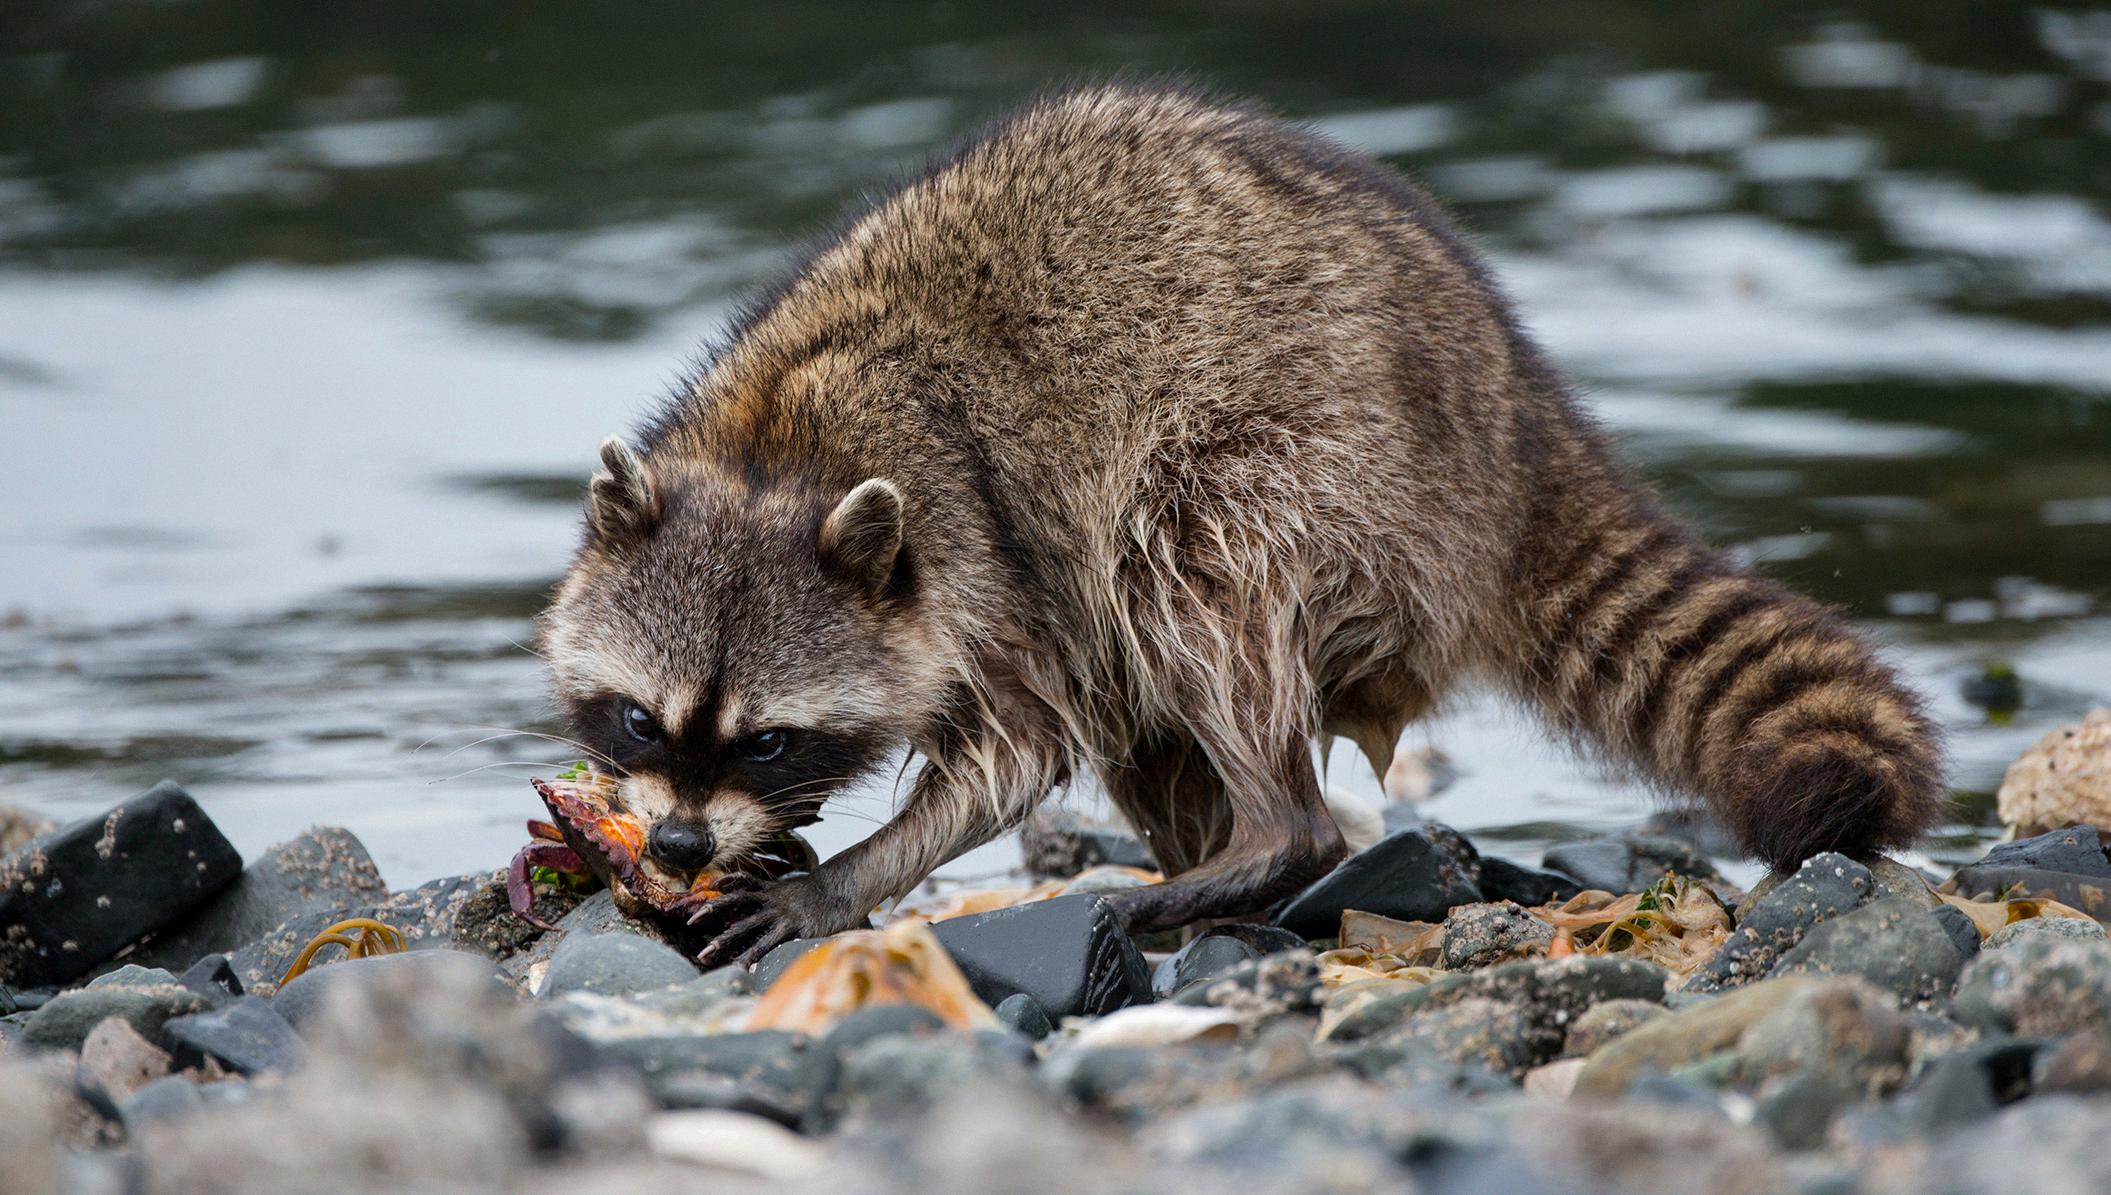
{"x": 1423, "y": 1018}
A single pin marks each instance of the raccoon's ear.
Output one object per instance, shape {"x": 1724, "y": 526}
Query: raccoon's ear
{"x": 862, "y": 536}
{"x": 619, "y": 501}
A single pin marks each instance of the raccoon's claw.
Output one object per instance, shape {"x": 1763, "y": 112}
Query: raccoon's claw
{"x": 755, "y": 918}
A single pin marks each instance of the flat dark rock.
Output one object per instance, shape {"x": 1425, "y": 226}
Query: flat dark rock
{"x": 247, "y": 1036}
{"x": 322, "y": 868}
{"x": 2088, "y": 893}
{"x": 1828, "y": 885}
{"x": 72, "y": 898}
{"x": 1528, "y": 886}
{"x": 1069, "y": 954}
{"x": 2076, "y": 850}
{"x": 1409, "y": 876}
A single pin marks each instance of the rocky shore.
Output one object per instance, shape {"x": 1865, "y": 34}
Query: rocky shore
{"x": 1426, "y": 1018}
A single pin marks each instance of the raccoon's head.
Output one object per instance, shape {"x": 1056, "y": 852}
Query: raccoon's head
{"x": 737, "y": 651}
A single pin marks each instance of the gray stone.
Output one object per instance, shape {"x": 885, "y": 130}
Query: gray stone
{"x": 1964, "y": 935}
{"x": 614, "y": 964}
{"x": 781, "y": 956}
{"x": 1894, "y": 943}
{"x": 78, "y": 895}
{"x": 2040, "y": 986}
{"x": 1274, "y": 985}
{"x": 781, "y": 1071}
{"x": 1607, "y": 1020}
{"x": 162, "y": 1101}
{"x": 1826, "y": 886}
{"x": 1493, "y": 1035}
{"x": 1408, "y": 876}
{"x": 424, "y": 915}
{"x": 116, "y": 1061}
{"x": 1800, "y": 1108}
{"x": 2045, "y": 927}
{"x": 1683, "y": 1036}
{"x": 487, "y": 924}
{"x": 597, "y": 914}
{"x": 1552, "y": 994}
{"x": 1481, "y": 935}
{"x": 323, "y": 868}
{"x": 309, "y": 996}
{"x": 1024, "y": 1014}
{"x": 2076, "y": 850}
{"x": 247, "y": 1037}
{"x": 1070, "y": 954}
{"x": 2089, "y": 894}
{"x": 897, "y": 1076}
{"x": 1843, "y": 1027}
{"x": 143, "y": 998}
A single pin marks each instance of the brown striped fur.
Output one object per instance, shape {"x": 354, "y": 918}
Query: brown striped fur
{"x": 1209, "y": 438}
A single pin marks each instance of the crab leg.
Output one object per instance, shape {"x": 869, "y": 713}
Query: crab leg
{"x": 520, "y": 892}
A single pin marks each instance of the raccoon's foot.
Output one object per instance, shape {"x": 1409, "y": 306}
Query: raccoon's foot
{"x": 751, "y": 918}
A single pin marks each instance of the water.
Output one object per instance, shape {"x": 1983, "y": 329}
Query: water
{"x": 309, "y": 322}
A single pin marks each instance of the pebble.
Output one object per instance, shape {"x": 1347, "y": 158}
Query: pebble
{"x": 1025, "y": 1015}
{"x": 1894, "y": 943}
{"x": 1407, "y": 876}
{"x": 1552, "y": 994}
{"x": 1528, "y": 886}
{"x": 247, "y": 1037}
{"x": 1685, "y": 1036}
{"x": 309, "y": 996}
{"x": 323, "y": 868}
{"x": 143, "y": 998}
{"x": 1069, "y": 954}
{"x": 2075, "y": 850}
{"x": 1059, "y": 843}
{"x": 1845, "y": 1028}
{"x": 1604, "y": 1021}
{"x": 733, "y": 1143}
{"x": 117, "y": 1061}
{"x": 1207, "y": 957}
{"x": 1826, "y": 886}
{"x": 2044, "y": 927}
{"x": 2039, "y": 986}
{"x": 1481, "y": 935}
{"x": 78, "y": 895}
{"x": 614, "y": 964}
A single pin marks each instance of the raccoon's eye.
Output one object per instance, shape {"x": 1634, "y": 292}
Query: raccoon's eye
{"x": 640, "y": 724}
{"x": 764, "y": 746}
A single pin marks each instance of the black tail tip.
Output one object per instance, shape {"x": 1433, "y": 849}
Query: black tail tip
{"x": 1803, "y": 803}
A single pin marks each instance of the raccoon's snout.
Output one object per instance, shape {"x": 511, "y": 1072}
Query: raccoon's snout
{"x": 681, "y": 845}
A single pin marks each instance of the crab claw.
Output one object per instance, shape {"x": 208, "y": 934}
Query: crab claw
{"x": 520, "y": 891}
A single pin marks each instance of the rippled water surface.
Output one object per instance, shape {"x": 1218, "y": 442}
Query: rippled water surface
{"x": 310, "y": 319}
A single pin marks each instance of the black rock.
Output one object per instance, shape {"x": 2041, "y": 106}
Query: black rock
{"x": 324, "y": 868}
{"x": 1058, "y": 843}
{"x": 1895, "y": 943}
{"x": 423, "y": 915}
{"x": 78, "y": 895}
{"x": 616, "y": 964}
{"x": 214, "y": 978}
{"x": 2089, "y": 893}
{"x": 1273, "y": 985}
{"x": 307, "y": 995}
{"x": 1408, "y": 876}
{"x": 1963, "y": 934}
{"x": 1203, "y": 959}
{"x": 1628, "y": 864}
{"x": 247, "y": 1036}
{"x": 1528, "y": 886}
{"x": 784, "y": 954}
{"x": 1069, "y": 954}
{"x": 2076, "y": 850}
{"x": 1023, "y": 1013}
{"x": 1826, "y": 886}
{"x": 1265, "y": 939}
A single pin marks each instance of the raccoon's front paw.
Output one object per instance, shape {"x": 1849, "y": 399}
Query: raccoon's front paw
{"x": 752, "y": 917}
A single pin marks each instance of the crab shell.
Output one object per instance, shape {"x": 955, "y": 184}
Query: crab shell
{"x": 611, "y": 842}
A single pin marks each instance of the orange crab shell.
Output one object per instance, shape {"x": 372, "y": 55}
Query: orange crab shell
{"x": 612, "y": 842}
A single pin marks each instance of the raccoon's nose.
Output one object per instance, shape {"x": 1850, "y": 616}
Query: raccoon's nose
{"x": 681, "y": 845}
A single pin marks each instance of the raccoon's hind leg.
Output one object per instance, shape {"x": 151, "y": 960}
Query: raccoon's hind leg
{"x": 1263, "y": 841}
{"x": 1173, "y": 799}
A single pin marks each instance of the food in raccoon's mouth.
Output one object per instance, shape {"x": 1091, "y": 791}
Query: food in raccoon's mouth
{"x": 594, "y": 836}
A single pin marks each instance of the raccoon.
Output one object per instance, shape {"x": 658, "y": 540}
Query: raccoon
{"x": 1152, "y": 438}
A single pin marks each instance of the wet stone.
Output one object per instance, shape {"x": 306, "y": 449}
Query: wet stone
{"x": 2073, "y": 928}
{"x": 1492, "y": 1035}
{"x": 2038, "y": 987}
{"x": 487, "y": 924}
{"x": 2089, "y": 894}
{"x": 771, "y": 1069}
{"x": 1409, "y": 876}
{"x": 1682, "y": 1036}
{"x": 1843, "y": 1027}
{"x": 900, "y": 1075}
{"x": 161, "y": 1101}
{"x": 323, "y": 868}
{"x": 142, "y": 998}
{"x": 1206, "y": 958}
{"x": 1826, "y": 886}
{"x": 1273, "y": 985}
{"x": 1527, "y": 886}
{"x": 424, "y": 915}
{"x": 1070, "y": 954}
{"x": 214, "y": 978}
{"x": 1628, "y": 864}
{"x": 247, "y": 1036}
{"x": 1964, "y": 935}
{"x": 1482, "y": 935}
{"x": 1553, "y": 995}
{"x": 76, "y": 896}
{"x": 614, "y": 964}
{"x": 116, "y": 1061}
{"x": 1023, "y": 1014}
{"x": 781, "y": 956}
{"x": 1894, "y": 943}
{"x": 2076, "y": 850}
